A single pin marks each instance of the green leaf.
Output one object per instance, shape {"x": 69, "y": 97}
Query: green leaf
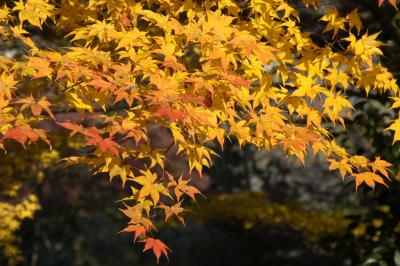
{"x": 397, "y": 257}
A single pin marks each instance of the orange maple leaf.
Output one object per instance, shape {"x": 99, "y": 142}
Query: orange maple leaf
{"x": 73, "y": 127}
{"x": 158, "y": 247}
{"x": 381, "y": 166}
{"x": 172, "y": 114}
{"x": 125, "y": 19}
{"x": 139, "y": 230}
{"x": 175, "y": 209}
{"x": 36, "y": 106}
{"x": 392, "y": 2}
{"x": 104, "y": 144}
{"x": 369, "y": 178}
{"x": 22, "y": 134}
{"x": 182, "y": 187}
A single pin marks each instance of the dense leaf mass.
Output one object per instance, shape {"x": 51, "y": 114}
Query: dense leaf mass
{"x": 204, "y": 70}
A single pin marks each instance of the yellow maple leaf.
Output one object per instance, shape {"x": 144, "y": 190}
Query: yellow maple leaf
{"x": 33, "y": 11}
{"x": 335, "y": 22}
{"x": 150, "y": 186}
{"x": 395, "y": 126}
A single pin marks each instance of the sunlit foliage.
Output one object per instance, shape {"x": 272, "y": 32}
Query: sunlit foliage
{"x": 204, "y": 70}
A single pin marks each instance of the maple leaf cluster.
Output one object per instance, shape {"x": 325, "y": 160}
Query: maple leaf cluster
{"x": 204, "y": 70}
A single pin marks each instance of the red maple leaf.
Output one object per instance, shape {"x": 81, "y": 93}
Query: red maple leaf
{"x": 92, "y": 133}
{"x": 94, "y": 137}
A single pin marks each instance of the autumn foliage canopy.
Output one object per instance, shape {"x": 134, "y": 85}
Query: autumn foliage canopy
{"x": 207, "y": 71}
